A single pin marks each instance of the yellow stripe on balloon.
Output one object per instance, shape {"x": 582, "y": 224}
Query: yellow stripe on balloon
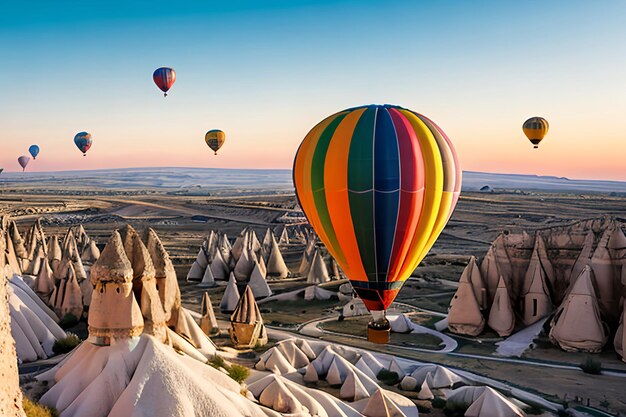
{"x": 302, "y": 175}
{"x": 337, "y": 198}
{"x": 442, "y": 218}
{"x": 433, "y": 190}
{"x": 449, "y": 185}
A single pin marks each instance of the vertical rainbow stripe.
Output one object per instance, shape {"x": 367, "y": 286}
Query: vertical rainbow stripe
{"x": 378, "y": 184}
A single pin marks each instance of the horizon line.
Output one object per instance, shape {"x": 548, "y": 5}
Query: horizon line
{"x": 281, "y": 169}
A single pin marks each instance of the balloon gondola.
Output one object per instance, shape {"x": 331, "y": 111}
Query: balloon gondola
{"x": 378, "y": 184}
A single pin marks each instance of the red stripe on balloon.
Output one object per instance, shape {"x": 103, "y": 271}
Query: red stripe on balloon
{"x": 411, "y": 193}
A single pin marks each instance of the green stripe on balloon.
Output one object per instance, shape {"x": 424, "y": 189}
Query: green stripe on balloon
{"x": 317, "y": 183}
{"x": 360, "y": 186}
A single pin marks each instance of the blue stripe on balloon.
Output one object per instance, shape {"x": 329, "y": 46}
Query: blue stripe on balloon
{"x": 387, "y": 189}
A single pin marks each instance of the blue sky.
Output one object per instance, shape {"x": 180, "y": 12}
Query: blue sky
{"x": 267, "y": 72}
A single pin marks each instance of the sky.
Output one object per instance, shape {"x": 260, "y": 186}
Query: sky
{"x": 266, "y": 72}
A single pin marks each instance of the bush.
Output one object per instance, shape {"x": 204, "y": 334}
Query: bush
{"x": 388, "y": 377}
{"x": 238, "y": 373}
{"x": 591, "y": 366}
{"x": 438, "y": 403}
{"x": 66, "y": 344}
{"x": 32, "y": 409}
{"x": 454, "y": 409}
{"x": 68, "y": 320}
{"x": 217, "y": 362}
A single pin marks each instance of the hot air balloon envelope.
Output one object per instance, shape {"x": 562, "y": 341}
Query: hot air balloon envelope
{"x": 215, "y": 139}
{"x": 164, "y": 78}
{"x": 378, "y": 184}
{"x": 83, "y": 141}
{"x": 23, "y": 161}
{"x": 535, "y": 130}
{"x": 34, "y": 151}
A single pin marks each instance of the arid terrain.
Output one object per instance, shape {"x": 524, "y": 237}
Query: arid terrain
{"x": 182, "y": 221}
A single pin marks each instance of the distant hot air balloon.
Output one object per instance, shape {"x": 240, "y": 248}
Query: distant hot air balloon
{"x": 535, "y": 129}
{"x": 83, "y": 142}
{"x": 378, "y": 184}
{"x": 23, "y": 161}
{"x": 215, "y": 139}
{"x": 34, "y": 151}
{"x": 164, "y": 78}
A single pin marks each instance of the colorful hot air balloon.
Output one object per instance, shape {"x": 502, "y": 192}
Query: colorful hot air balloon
{"x": 164, "y": 78}
{"x": 23, "y": 161}
{"x": 215, "y": 139}
{"x": 83, "y": 142}
{"x": 34, "y": 151}
{"x": 378, "y": 184}
{"x": 535, "y": 130}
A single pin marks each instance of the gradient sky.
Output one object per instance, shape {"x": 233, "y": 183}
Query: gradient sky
{"x": 267, "y": 72}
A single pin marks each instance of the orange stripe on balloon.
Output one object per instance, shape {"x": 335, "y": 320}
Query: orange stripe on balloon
{"x": 336, "y": 185}
{"x": 302, "y": 175}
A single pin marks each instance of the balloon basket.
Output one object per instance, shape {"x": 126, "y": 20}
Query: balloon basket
{"x": 381, "y": 337}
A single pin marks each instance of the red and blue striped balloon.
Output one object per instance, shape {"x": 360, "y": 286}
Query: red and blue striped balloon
{"x": 164, "y": 78}
{"x": 378, "y": 184}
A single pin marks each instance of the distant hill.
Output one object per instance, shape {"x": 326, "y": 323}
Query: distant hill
{"x": 188, "y": 180}
{"x": 474, "y": 181}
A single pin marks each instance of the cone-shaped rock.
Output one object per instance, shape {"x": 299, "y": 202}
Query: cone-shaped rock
{"x": 245, "y": 265}
{"x": 91, "y": 253}
{"x": 219, "y": 268}
{"x": 276, "y": 266}
{"x": 577, "y": 325}
{"x": 318, "y": 273}
{"x": 501, "y": 316}
{"x": 537, "y": 303}
{"x": 230, "y": 297}
{"x": 257, "y": 283}
{"x": 246, "y": 324}
{"x": 208, "y": 322}
{"x": 144, "y": 283}
{"x": 166, "y": 281}
{"x": 72, "y": 297}
{"x": 114, "y": 312}
{"x": 608, "y": 284}
{"x": 44, "y": 284}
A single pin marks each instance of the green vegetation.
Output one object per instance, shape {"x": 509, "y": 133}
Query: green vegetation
{"x": 591, "y": 366}
{"x": 66, "y": 344}
{"x": 68, "y": 320}
{"x": 388, "y": 377}
{"x": 32, "y": 409}
{"x": 439, "y": 403}
{"x": 217, "y": 362}
{"x": 238, "y": 373}
{"x": 453, "y": 409}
